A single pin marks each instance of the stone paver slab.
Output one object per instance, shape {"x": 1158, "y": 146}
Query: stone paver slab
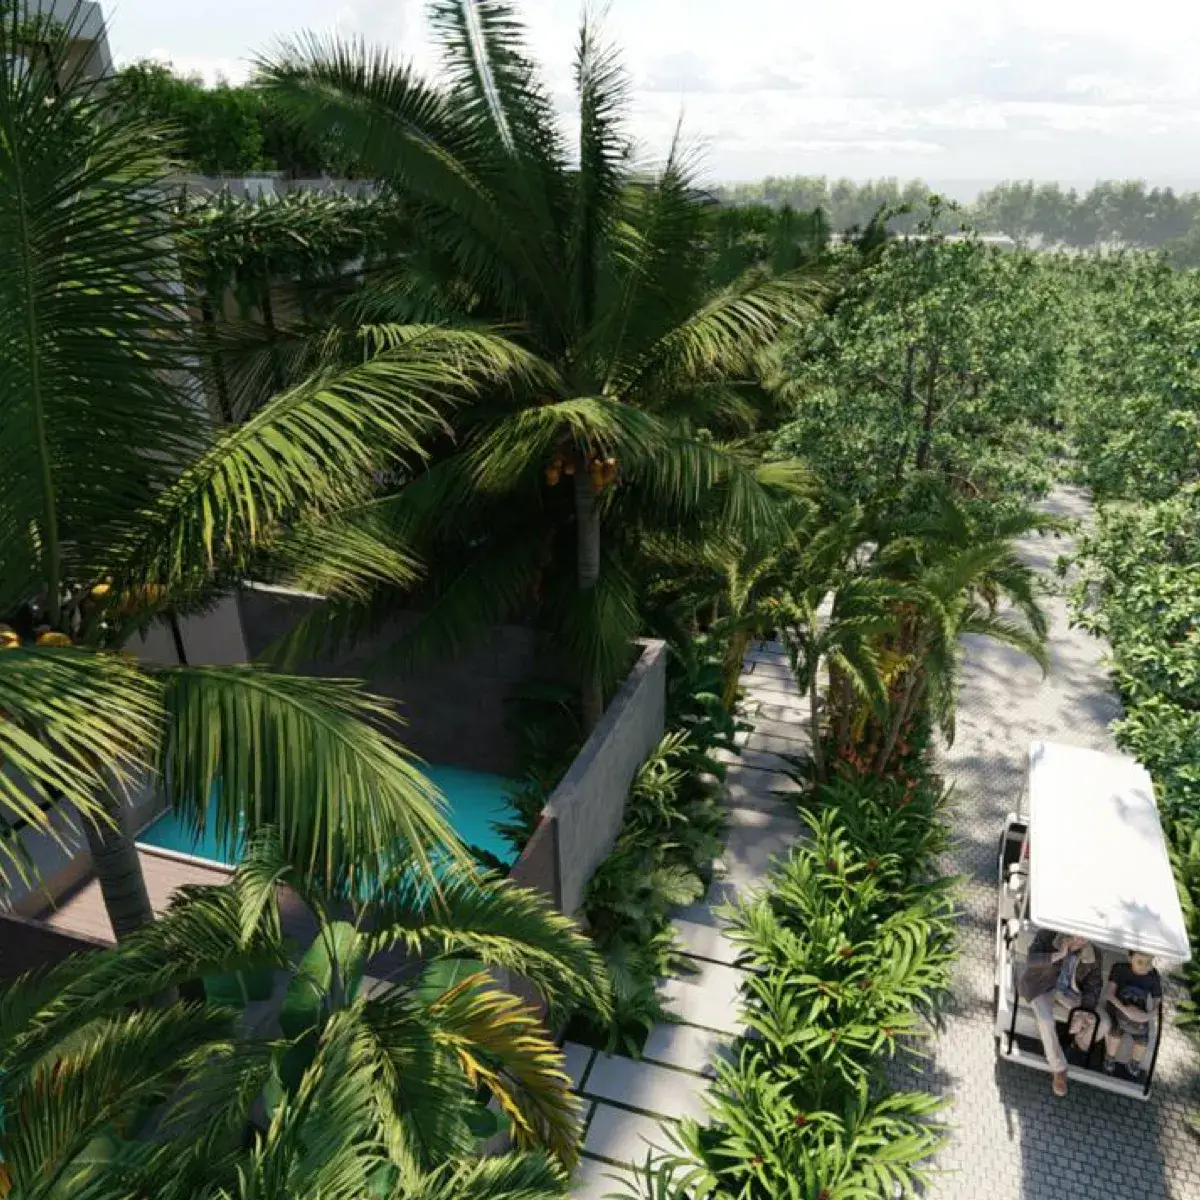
{"x": 622, "y": 1136}
{"x": 750, "y": 851}
{"x": 596, "y": 1180}
{"x": 655, "y": 1089}
{"x": 704, "y": 941}
{"x": 577, "y": 1058}
{"x": 793, "y": 746}
{"x": 774, "y": 668}
{"x": 752, "y": 758}
{"x": 686, "y": 1046}
{"x": 794, "y": 731}
{"x": 710, "y": 998}
{"x": 795, "y": 715}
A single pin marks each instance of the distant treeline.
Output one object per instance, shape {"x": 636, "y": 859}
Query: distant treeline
{"x": 234, "y": 130}
{"x": 1125, "y": 211}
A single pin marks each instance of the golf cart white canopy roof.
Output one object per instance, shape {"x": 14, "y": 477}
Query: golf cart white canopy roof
{"x": 1098, "y": 864}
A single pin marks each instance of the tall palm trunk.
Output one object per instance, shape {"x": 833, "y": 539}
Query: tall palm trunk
{"x": 119, "y": 871}
{"x": 587, "y": 546}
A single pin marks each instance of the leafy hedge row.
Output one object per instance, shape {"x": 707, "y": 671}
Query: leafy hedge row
{"x": 1138, "y": 588}
{"x": 663, "y": 856}
{"x": 849, "y": 949}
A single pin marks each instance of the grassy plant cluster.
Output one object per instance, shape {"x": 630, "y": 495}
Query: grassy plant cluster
{"x": 662, "y": 858}
{"x": 849, "y": 950}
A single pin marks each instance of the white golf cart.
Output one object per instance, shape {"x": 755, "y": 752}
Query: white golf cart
{"x": 1089, "y": 860}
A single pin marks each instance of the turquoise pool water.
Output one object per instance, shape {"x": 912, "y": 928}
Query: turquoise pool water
{"x": 474, "y": 801}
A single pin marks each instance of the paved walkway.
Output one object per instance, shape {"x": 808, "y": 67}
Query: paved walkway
{"x": 626, "y": 1102}
{"x": 1011, "y": 1139}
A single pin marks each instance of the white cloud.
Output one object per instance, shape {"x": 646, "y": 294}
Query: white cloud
{"x": 1081, "y": 88}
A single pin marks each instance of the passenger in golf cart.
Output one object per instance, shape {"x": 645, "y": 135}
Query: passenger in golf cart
{"x": 1062, "y": 981}
{"x": 1087, "y": 903}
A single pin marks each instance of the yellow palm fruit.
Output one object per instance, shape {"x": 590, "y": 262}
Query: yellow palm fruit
{"x": 9, "y": 638}
{"x": 102, "y": 589}
{"x": 52, "y": 637}
{"x": 553, "y": 474}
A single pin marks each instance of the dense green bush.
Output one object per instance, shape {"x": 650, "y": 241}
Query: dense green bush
{"x": 939, "y": 356}
{"x": 1138, "y": 588}
{"x": 663, "y": 857}
{"x": 849, "y": 950}
{"x": 1133, "y": 384}
{"x": 224, "y": 129}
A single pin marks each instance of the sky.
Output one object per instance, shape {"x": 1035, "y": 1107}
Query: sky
{"x": 957, "y": 93}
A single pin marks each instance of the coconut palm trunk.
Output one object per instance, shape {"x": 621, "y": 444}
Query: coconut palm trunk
{"x": 118, "y": 870}
{"x": 587, "y": 544}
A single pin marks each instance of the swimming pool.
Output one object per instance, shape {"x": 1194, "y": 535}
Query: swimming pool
{"x": 474, "y": 801}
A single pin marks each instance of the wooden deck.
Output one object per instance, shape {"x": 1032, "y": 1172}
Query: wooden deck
{"x": 81, "y": 911}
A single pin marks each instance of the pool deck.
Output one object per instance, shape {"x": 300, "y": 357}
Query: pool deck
{"x": 81, "y": 910}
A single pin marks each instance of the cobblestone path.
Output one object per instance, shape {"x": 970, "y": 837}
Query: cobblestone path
{"x": 1011, "y": 1138}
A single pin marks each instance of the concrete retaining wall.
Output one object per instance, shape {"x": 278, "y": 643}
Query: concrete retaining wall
{"x": 588, "y": 806}
{"x": 457, "y": 712}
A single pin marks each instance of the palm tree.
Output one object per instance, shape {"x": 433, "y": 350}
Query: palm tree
{"x": 272, "y": 1063}
{"x": 962, "y": 577}
{"x": 121, "y": 504}
{"x": 879, "y": 601}
{"x": 600, "y": 270}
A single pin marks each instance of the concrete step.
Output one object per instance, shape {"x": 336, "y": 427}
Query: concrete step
{"x": 710, "y": 998}
{"x": 686, "y": 1047}
{"x": 649, "y": 1087}
{"x": 704, "y": 941}
{"x": 623, "y": 1137}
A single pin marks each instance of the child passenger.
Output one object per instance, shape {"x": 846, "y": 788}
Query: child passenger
{"x": 1132, "y": 996}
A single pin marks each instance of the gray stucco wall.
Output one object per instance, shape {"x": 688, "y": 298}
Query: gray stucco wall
{"x": 457, "y": 713}
{"x": 589, "y": 804}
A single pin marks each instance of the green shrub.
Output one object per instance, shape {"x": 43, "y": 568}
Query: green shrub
{"x": 663, "y": 857}
{"x": 1138, "y": 587}
{"x": 850, "y": 950}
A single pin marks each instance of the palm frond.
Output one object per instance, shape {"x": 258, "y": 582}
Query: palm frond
{"x": 113, "y": 1072}
{"x": 522, "y": 442}
{"x": 501, "y": 925}
{"x": 311, "y": 450}
{"x": 684, "y": 476}
{"x": 199, "y": 935}
{"x": 604, "y": 154}
{"x": 412, "y": 133}
{"x": 345, "y": 555}
{"x": 596, "y": 626}
{"x": 98, "y": 404}
{"x": 308, "y": 757}
{"x": 722, "y": 336}
{"x": 502, "y": 1045}
{"x": 530, "y": 1175}
{"x": 495, "y": 584}
{"x": 76, "y": 724}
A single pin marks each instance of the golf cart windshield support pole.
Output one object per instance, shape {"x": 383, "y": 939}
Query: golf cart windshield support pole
{"x": 1016, "y": 1003}
{"x": 1158, "y": 1037}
